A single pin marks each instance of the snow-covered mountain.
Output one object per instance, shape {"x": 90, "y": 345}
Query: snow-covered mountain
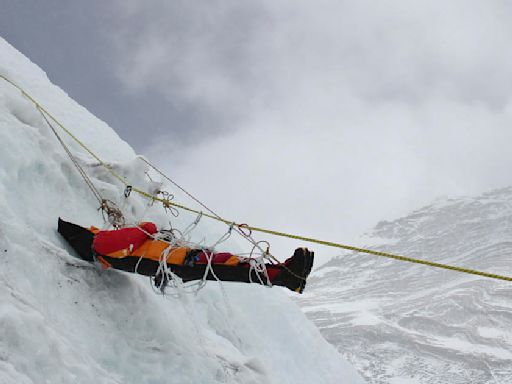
{"x": 65, "y": 321}
{"x": 404, "y": 323}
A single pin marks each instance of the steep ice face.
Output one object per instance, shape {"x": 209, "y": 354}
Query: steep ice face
{"x": 404, "y": 323}
{"x": 65, "y": 321}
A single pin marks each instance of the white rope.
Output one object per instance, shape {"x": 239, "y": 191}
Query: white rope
{"x": 114, "y": 214}
{"x": 187, "y": 231}
{"x": 249, "y": 237}
{"x": 193, "y": 287}
{"x": 178, "y": 239}
{"x": 257, "y": 264}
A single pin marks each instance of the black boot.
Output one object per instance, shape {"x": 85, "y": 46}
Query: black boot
{"x": 296, "y": 269}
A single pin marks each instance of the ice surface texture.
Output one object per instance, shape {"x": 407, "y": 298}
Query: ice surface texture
{"x": 65, "y": 321}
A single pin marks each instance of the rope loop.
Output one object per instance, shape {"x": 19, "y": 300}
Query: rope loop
{"x": 167, "y": 203}
{"x": 244, "y": 229}
{"x": 166, "y": 195}
{"x": 198, "y": 218}
{"x": 113, "y": 214}
{"x": 187, "y": 231}
{"x": 224, "y": 237}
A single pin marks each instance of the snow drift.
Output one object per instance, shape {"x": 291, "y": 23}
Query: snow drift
{"x": 63, "y": 320}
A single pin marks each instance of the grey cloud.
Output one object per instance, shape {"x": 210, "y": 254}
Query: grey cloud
{"x": 70, "y": 41}
{"x": 233, "y": 55}
{"x": 191, "y": 52}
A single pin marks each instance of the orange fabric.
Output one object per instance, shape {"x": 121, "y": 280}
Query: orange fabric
{"x": 150, "y": 249}
{"x": 178, "y": 255}
{"x": 93, "y": 229}
{"x": 104, "y": 264}
{"x": 119, "y": 254}
{"x": 233, "y": 260}
{"x": 153, "y": 249}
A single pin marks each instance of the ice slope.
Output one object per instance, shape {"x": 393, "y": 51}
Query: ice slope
{"x": 404, "y": 323}
{"x": 65, "y": 321}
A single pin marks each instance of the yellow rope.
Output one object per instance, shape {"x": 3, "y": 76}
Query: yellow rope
{"x": 384, "y": 254}
{"x": 40, "y": 107}
{"x": 167, "y": 203}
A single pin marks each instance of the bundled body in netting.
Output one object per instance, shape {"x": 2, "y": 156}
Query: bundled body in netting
{"x": 144, "y": 250}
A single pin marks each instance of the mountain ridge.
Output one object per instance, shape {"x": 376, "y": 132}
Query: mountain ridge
{"x": 399, "y": 322}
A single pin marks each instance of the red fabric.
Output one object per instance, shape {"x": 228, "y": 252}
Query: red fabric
{"x": 273, "y": 271}
{"x": 149, "y": 227}
{"x": 106, "y": 242}
{"x": 218, "y": 258}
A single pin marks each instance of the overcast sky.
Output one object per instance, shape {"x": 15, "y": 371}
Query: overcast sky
{"x": 317, "y": 117}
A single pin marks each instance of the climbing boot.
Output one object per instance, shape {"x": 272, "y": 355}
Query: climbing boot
{"x": 296, "y": 269}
